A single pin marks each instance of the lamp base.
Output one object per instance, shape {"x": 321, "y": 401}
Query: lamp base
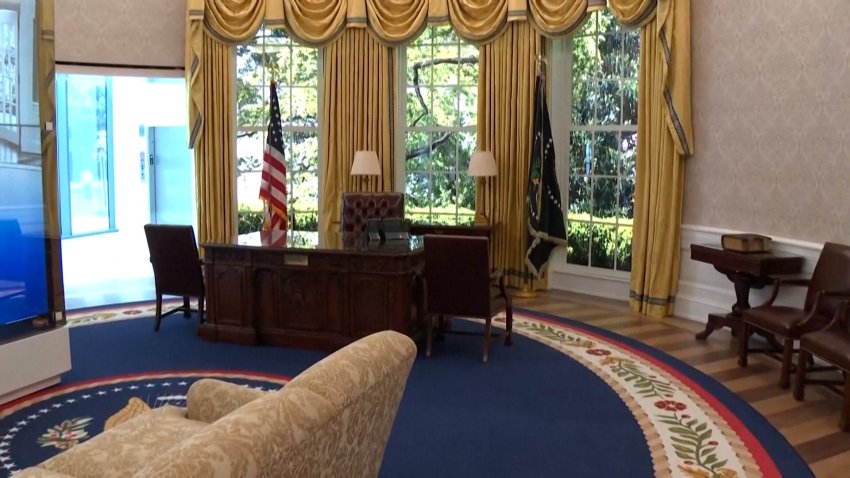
{"x": 481, "y": 219}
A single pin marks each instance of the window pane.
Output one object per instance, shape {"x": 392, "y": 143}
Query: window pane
{"x": 606, "y": 153}
{"x": 418, "y": 73}
{"x": 302, "y": 152}
{"x": 419, "y": 107}
{"x": 469, "y": 65}
{"x": 418, "y": 191}
{"x": 418, "y": 150}
{"x": 584, "y": 97}
{"x": 466, "y": 146}
{"x": 628, "y": 148}
{"x": 445, "y": 106}
{"x": 604, "y": 197}
{"x": 443, "y": 193}
{"x": 603, "y": 245}
{"x": 305, "y": 63}
{"x": 630, "y": 92}
{"x": 631, "y": 55}
{"x": 579, "y": 243}
{"x": 581, "y": 154}
{"x": 466, "y": 198}
{"x": 580, "y": 195}
{"x": 626, "y": 207}
{"x": 608, "y": 105}
{"x": 624, "y": 248}
{"x": 252, "y": 109}
{"x": 468, "y": 114}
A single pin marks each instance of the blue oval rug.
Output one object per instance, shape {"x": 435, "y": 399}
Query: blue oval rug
{"x": 567, "y": 399}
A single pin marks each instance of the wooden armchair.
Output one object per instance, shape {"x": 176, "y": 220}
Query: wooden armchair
{"x": 825, "y": 291}
{"x": 458, "y": 283}
{"x": 832, "y": 345}
{"x": 176, "y": 267}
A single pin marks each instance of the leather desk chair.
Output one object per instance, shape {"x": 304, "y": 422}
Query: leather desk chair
{"x": 829, "y": 284}
{"x": 176, "y": 267}
{"x": 357, "y": 208}
{"x": 458, "y": 282}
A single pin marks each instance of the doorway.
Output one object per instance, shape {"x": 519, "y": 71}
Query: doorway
{"x": 141, "y": 168}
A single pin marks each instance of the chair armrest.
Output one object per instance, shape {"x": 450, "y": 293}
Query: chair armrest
{"x": 209, "y": 399}
{"x": 35, "y": 472}
{"x": 777, "y": 283}
{"x": 839, "y": 320}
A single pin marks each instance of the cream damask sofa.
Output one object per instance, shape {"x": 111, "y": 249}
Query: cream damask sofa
{"x": 333, "y": 419}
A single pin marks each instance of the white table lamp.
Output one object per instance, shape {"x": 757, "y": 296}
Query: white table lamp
{"x": 482, "y": 164}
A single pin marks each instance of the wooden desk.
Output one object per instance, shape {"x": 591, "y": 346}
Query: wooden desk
{"x": 311, "y": 295}
{"x": 746, "y": 271}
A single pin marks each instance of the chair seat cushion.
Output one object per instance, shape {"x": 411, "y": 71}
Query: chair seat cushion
{"x": 127, "y": 448}
{"x": 832, "y": 345}
{"x": 778, "y": 319}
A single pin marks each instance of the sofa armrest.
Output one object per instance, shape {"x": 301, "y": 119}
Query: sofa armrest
{"x": 210, "y": 399}
{"x": 35, "y": 472}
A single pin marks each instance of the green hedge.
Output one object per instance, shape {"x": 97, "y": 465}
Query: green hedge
{"x": 251, "y": 220}
{"x": 599, "y": 241}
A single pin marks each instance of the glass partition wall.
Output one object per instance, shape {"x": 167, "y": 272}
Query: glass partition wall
{"x": 123, "y": 162}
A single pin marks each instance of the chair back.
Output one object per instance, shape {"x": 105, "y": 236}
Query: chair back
{"x": 357, "y": 208}
{"x": 832, "y": 272}
{"x": 457, "y": 275}
{"x": 175, "y": 260}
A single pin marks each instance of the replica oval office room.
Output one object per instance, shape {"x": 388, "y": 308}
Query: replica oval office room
{"x": 420, "y": 238}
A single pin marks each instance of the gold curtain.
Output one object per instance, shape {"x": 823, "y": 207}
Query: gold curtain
{"x": 215, "y": 154}
{"x": 665, "y": 138}
{"x": 357, "y": 114}
{"x": 633, "y": 12}
{"x": 507, "y": 70}
{"x": 557, "y": 17}
{"x": 49, "y": 166}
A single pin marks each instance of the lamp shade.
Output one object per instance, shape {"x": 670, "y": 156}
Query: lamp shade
{"x": 596, "y": 5}
{"x": 482, "y": 163}
{"x": 366, "y": 164}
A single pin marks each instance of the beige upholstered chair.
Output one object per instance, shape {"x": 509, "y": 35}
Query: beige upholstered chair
{"x": 333, "y": 419}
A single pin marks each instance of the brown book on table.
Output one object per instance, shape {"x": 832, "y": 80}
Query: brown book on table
{"x": 745, "y": 242}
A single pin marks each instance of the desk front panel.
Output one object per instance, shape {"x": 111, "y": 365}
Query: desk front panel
{"x": 308, "y": 298}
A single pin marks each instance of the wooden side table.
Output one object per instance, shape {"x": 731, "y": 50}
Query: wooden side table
{"x": 751, "y": 270}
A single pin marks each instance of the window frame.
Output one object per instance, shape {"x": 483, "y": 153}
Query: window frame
{"x": 286, "y": 128}
{"x": 402, "y": 129}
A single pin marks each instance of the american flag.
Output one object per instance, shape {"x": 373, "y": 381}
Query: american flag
{"x": 273, "y": 182}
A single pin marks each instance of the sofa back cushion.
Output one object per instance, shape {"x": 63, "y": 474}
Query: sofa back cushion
{"x": 333, "y": 419}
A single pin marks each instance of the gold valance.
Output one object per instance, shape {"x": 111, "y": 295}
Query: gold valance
{"x": 393, "y": 22}
{"x": 633, "y": 13}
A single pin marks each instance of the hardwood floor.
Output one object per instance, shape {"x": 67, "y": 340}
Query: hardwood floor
{"x": 811, "y": 426}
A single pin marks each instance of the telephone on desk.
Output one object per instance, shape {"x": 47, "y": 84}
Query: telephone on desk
{"x": 387, "y": 229}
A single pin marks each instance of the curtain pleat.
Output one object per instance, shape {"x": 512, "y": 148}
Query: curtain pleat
{"x": 357, "y": 114}
{"x": 505, "y": 121}
{"x": 397, "y": 21}
{"x": 633, "y": 13}
{"x": 478, "y": 21}
{"x": 49, "y": 165}
{"x": 215, "y": 155}
{"x": 315, "y": 22}
{"x": 664, "y": 138}
{"x": 234, "y": 21}
{"x": 557, "y": 17}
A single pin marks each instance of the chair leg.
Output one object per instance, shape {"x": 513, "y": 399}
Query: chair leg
{"x": 844, "y": 421}
{"x": 201, "y": 305}
{"x": 743, "y": 343}
{"x": 803, "y": 358}
{"x": 187, "y": 310}
{"x": 509, "y": 325}
{"x": 787, "y": 357}
{"x": 487, "y": 326}
{"x": 429, "y": 333}
{"x": 158, "y": 312}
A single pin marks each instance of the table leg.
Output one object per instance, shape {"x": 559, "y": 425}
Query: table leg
{"x": 743, "y": 284}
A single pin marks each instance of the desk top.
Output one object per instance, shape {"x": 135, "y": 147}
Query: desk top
{"x": 302, "y": 241}
{"x": 759, "y": 264}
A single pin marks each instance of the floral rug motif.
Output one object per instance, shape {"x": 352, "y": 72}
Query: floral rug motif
{"x": 688, "y": 432}
{"x": 96, "y": 315}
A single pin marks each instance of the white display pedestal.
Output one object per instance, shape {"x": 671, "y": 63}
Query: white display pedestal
{"x": 33, "y": 363}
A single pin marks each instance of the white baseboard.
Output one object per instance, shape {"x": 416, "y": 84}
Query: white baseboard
{"x": 702, "y": 290}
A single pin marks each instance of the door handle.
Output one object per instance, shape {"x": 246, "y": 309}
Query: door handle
{"x": 151, "y": 160}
